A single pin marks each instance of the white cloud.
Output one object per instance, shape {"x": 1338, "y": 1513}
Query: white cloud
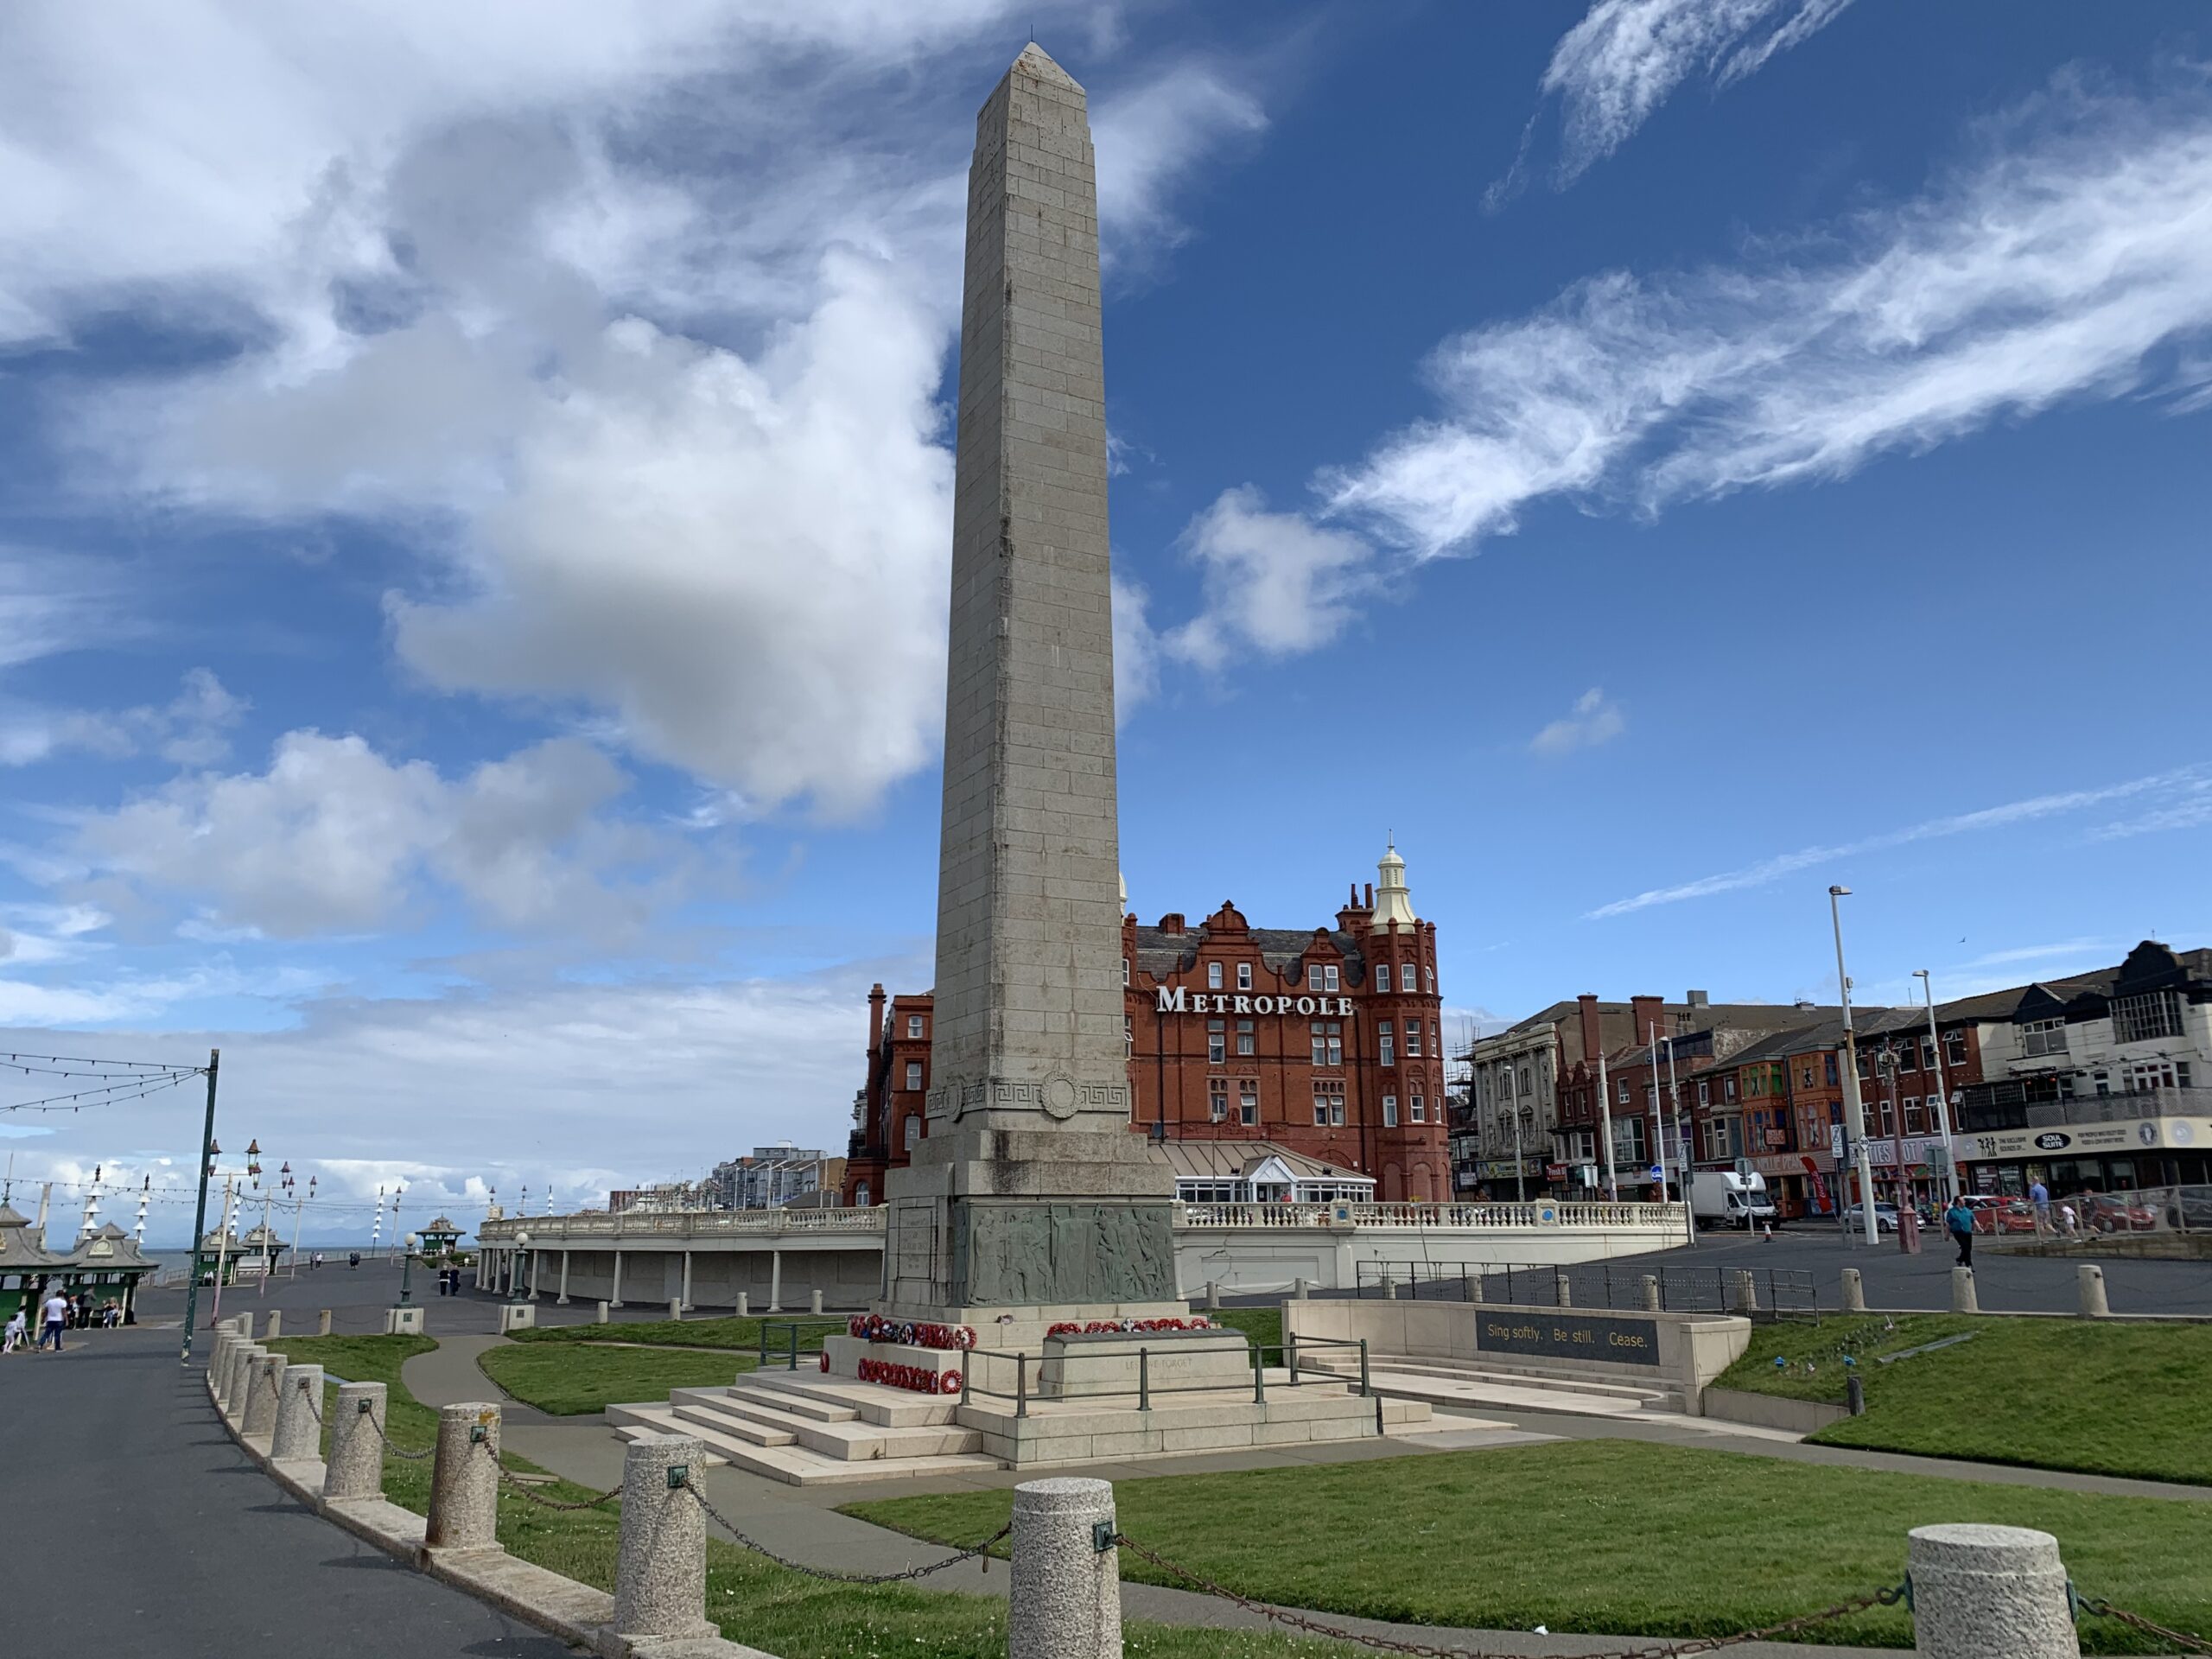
{"x": 1274, "y": 583}
{"x": 190, "y": 729}
{"x": 1136, "y": 651}
{"x": 1594, "y": 720}
{"x": 1993, "y": 818}
{"x": 2075, "y": 259}
{"x": 333, "y": 837}
{"x": 1626, "y": 57}
{"x": 631, "y": 321}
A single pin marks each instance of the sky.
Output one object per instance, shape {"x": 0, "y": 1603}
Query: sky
{"x": 475, "y": 512}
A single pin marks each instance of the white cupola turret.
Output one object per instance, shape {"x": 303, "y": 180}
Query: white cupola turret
{"x": 1394, "y": 901}
{"x": 1125, "y": 893}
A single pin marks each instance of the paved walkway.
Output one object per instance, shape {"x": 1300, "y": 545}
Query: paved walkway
{"x": 144, "y": 1532}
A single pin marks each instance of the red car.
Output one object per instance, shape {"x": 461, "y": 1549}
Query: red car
{"x": 2116, "y": 1215}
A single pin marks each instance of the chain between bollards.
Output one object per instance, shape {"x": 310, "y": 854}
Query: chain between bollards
{"x": 2188, "y": 1640}
{"x": 758, "y": 1548}
{"x": 392, "y": 1445}
{"x": 1886, "y": 1598}
{"x": 566, "y": 1506}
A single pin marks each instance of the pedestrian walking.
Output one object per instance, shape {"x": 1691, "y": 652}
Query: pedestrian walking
{"x": 1960, "y": 1220}
{"x": 18, "y": 1332}
{"x": 2039, "y": 1196}
{"x": 56, "y": 1315}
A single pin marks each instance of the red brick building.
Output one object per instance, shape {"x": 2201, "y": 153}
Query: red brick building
{"x": 1325, "y": 1041}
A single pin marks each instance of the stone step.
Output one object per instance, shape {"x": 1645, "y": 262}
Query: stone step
{"x": 1511, "y": 1378}
{"x": 651, "y": 1420}
{"x": 706, "y": 1414}
{"x": 1504, "y": 1396}
{"x": 799, "y": 1402}
{"x": 849, "y": 1441}
{"x": 887, "y": 1407}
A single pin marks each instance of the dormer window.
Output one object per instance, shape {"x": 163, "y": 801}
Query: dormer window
{"x": 1328, "y": 976}
{"x": 1243, "y": 975}
{"x": 1213, "y": 976}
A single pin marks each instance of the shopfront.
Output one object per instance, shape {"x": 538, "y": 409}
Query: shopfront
{"x": 2119, "y": 1157}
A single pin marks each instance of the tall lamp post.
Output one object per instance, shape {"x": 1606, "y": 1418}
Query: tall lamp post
{"x": 515, "y": 1271}
{"x": 407, "y": 1267}
{"x": 1950, "y": 1186}
{"x": 1854, "y": 1110}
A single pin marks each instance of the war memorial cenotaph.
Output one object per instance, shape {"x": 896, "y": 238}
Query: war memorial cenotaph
{"x": 1030, "y": 1211}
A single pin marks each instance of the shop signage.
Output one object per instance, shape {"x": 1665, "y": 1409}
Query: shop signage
{"x": 1918, "y": 1149}
{"x": 2132, "y": 1135}
{"x": 1181, "y": 999}
{"x": 1569, "y": 1336}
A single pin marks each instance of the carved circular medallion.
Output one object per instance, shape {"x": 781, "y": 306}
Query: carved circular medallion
{"x": 1059, "y": 1096}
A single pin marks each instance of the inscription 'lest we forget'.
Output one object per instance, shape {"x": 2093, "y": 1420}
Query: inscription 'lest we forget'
{"x": 1618, "y": 1342}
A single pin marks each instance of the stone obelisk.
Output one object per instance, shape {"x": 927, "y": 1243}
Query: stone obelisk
{"x": 1029, "y": 1191}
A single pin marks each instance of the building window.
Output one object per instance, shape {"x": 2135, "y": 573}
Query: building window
{"x": 1889, "y": 1117}
{"x": 913, "y": 1074}
{"x": 1954, "y": 1051}
{"x": 1831, "y": 1070}
{"x": 1908, "y": 1053}
{"x": 1129, "y": 1037}
{"x": 1915, "y": 1121}
{"x": 1928, "y": 1052}
{"x": 1382, "y": 976}
{"x": 1386, "y": 1044}
{"x": 1216, "y": 1040}
{"x": 1328, "y": 976}
{"x": 1860, "y": 1055}
{"x": 1336, "y": 1036}
{"x": 1389, "y": 1111}
{"x": 1246, "y": 1037}
{"x": 860, "y": 1196}
{"x": 1243, "y": 975}
{"x": 1217, "y": 1099}
{"x": 1650, "y": 1097}
{"x": 913, "y": 1025}
{"x": 2140, "y": 1019}
{"x": 1413, "y": 1040}
{"x": 911, "y": 1133}
{"x": 1728, "y": 1088}
{"x": 2043, "y": 1037}
{"x": 1328, "y": 1103}
{"x": 1248, "y": 1101}
{"x": 1525, "y": 1082}
{"x": 1623, "y": 1095}
{"x": 1429, "y": 974}
{"x": 1213, "y": 976}
{"x": 1703, "y": 1098}
{"x": 1125, "y": 970}
{"x": 1421, "y": 1110}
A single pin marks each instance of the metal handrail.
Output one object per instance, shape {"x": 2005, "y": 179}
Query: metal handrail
{"x": 1146, "y": 1388}
{"x": 824, "y": 1327}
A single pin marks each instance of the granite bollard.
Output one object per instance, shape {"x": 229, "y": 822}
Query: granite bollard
{"x": 744, "y": 1306}
{"x": 1982, "y": 1590}
{"x": 1743, "y": 1292}
{"x": 322, "y": 1323}
{"x": 1067, "y": 1591}
{"x": 1298, "y": 1292}
{"x": 1963, "y": 1298}
{"x": 276, "y": 1323}
{"x": 660, "y": 1569}
{"x": 1213, "y": 1293}
{"x": 356, "y": 1464}
{"x": 1562, "y": 1288}
{"x": 235, "y": 1389}
{"x": 299, "y": 1409}
{"x": 601, "y": 1318}
{"x": 814, "y": 1302}
{"x": 2089, "y": 1281}
{"x": 1854, "y": 1292}
{"x": 1651, "y": 1301}
{"x": 264, "y": 1388}
{"x": 219, "y": 1358}
{"x": 465, "y": 1480}
{"x": 246, "y": 1325}
{"x": 674, "y": 1310}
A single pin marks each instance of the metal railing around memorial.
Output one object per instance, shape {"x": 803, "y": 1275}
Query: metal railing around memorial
{"x": 1773, "y": 1292}
{"x": 1042, "y": 1379}
{"x": 786, "y": 1342}
{"x": 1530, "y": 1216}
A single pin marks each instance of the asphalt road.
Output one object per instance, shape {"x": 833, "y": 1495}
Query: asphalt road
{"x": 133, "y": 1526}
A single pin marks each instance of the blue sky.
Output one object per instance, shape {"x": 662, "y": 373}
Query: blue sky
{"x": 474, "y": 507}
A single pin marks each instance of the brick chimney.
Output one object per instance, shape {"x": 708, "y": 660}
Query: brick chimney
{"x": 1648, "y": 1014}
{"x": 874, "y": 1019}
{"x": 1586, "y": 1005}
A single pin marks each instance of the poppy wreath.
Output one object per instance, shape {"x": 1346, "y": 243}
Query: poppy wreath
{"x": 920, "y": 1379}
{"x": 873, "y": 1327}
{"x": 1135, "y": 1327}
{"x": 825, "y": 1360}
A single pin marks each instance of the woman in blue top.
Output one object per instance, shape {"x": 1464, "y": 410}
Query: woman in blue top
{"x": 1960, "y": 1219}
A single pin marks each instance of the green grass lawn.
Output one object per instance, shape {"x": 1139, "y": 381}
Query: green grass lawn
{"x": 742, "y": 1334}
{"x": 2101, "y": 1398}
{"x": 1611, "y": 1535}
{"x": 568, "y": 1379}
{"x": 1262, "y": 1325}
{"x": 750, "y": 1598}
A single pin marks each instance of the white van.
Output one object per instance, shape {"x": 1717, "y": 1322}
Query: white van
{"x": 1721, "y": 1198}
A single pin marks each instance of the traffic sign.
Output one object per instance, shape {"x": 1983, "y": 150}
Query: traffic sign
{"x": 1655, "y": 1174}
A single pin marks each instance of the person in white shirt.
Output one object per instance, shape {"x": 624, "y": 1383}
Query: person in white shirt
{"x": 56, "y": 1312}
{"x": 17, "y": 1331}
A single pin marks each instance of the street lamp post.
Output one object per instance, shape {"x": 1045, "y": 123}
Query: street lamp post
{"x": 1950, "y": 1186}
{"x": 407, "y": 1268}
{"x": 515, "y": 1270}
{"x": 1854, "y": 1108}
{"x": 1682, "y": 1152}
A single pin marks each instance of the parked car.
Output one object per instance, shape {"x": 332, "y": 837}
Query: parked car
{"x": 2110, "y": 1214}
{"x": 1885, "y": 1217}
{"x": 2191, "y": 1208}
